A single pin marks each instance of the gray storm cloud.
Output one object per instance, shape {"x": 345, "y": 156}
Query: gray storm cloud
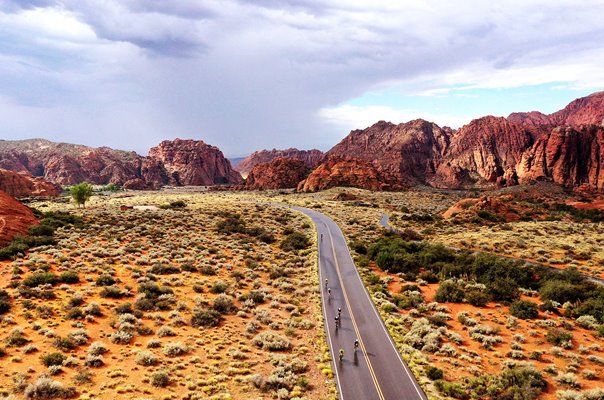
{"x": 245, "y": 75}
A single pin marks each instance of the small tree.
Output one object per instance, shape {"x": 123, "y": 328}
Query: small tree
{"x": 81, "y": 193}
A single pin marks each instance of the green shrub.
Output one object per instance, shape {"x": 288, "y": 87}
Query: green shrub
{"x": 295, "y": 241}
{"x": 433, "y": 372}
{"x": 160, "y": 379}
{"x": 558, "y": 337}
{"x": 46, "y": 388}
{"x": 206, "y": 318}
{"x": 55, "y": 358}
{"x": 40, "y": 278}
{"x": 271, "y": 341}
{"x": 524, "y": 309}
{"x": 450, "y": 291}
{"x": 4, "y": 302}
{"x": 69, "y": 277}
{"x": 105, "y": 280}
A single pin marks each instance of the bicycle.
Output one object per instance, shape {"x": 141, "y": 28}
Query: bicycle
{"x": 341, "y": 354}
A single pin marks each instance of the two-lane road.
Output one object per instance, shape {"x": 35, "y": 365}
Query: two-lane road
{"x": 375, "y": 370}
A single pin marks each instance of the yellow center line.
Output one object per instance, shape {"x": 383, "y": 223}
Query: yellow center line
{"x": 354, "y": 324}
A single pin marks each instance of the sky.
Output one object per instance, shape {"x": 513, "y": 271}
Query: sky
{"x": 248, "y": 75}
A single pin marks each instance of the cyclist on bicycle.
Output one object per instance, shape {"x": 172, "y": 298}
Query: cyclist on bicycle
{"x": 325, "y": 282}
{"x": 341, "y": 354}
{"x": 356, "y": 344}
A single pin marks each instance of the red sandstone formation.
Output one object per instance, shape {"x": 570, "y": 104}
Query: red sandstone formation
{"x": 280, "y": 173}
{"x": 343, "y": 172}
{"x": 311, "y": 158}
{"x": 192, "y": 162}
{"x": 15, "y": 218}
{"x": 22, "y": 185}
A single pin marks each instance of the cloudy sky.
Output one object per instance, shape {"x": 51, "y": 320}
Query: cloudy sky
{"x": 245, "y": 75}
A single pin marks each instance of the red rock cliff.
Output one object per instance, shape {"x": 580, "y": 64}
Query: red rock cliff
{"x": 310, "y": 158}
{"x": 192, "y": 162}
{"x": 343, "y": 172}
{"x": 280, "y": 173}
{"x": 22, "y": 185}
{"x": 15, "y": 218}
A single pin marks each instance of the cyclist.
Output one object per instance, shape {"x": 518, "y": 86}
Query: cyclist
{"x": 356, "y": 344}
{"x": 325, "y": 282}
{"x": 321, "y": 237}
{"x": 339, "y": 311}
{"x": 337, "y": 318}
{"x": 341, "y": 354}
{"x": 329, "y": 292}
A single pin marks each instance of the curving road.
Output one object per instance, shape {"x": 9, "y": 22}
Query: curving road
{"x": 375, "y": 370}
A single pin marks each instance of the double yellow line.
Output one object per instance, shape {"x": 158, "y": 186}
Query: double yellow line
{"x": 354, "y": 324}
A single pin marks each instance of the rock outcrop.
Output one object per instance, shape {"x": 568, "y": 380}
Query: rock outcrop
{"x": 311, "y": 158}
{"x": 280, "y": 173}
{"x": 565, "y": 147}
{"x": 339, "y": 171}
{"x": 22, "y": 185}
{"x": 15, "y": 218}
{"x": 192, "y": 162}
{"x": 177, "y": 162}
{"x": 404, "y": 154}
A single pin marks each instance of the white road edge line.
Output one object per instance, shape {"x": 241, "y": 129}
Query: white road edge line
{"x": 331, "y": 348}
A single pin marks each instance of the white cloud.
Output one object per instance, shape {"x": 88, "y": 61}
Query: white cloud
{"x": 250, "y": 74}
{"x": 351, "y": 117}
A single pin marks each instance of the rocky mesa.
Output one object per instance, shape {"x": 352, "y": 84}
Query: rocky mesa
{"x": 176, "y": 162}
{"x": 339, "y": 171}
{"x": 280, "y": 173}
{"x": 310, "y": 158}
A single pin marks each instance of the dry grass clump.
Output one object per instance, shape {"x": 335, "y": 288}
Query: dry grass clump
{"x": 190, "y": 282}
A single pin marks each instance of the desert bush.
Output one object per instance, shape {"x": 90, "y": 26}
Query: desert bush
{"x": 450, "y": 291}
{"x": 558, "y": 337}
{"x": 112, "y": 292}
{"x": 206, "y": 318}
{"x": 146, "y": 358}
{"x": 16, "y": 338}
{"x": 55, "y": 358}
{"x": 223, "y": 304}
{"x": 45, "y": 388}
{"x": 524, "y": 309}
{"x": 94, "y": 361}
{"x": 121, "y": 337}
{"x": 271, "y": 341}
{"x": 569, "y": 379}
{"x": 173, "y": 349}
{"x": 40, "y": 278}
{"x": 160, "y": 379}
{"x": 587, "y": 322}
{"x": 69, "y": 277}
{"x": 4, "y": 302}
{"x": 295, "y": 241}
{"x": 164, "y": 269}
{"x": 433, "y": 372}
{"x": 219, "y": 287}
{"x": 97, "y": 348}
{"x": 105, "y": 280}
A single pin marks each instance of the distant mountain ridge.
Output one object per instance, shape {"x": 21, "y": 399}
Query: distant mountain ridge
{"x": 565, "y": 147}
{"x": 175, "y": 162}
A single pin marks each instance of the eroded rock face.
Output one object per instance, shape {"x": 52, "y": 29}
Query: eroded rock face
{"x": 15, "y": 218}
{"x": 310, "y": 158}
{"x": 572, "y": 157}
{"x": 22, "y": 185}
{"x": 192, "y": 162}
{"x": 564, "y": 147}
{"x": 339, "y": 171}
{"x": 178, "y": 162}
{"x": 280, "y": 173}
{"x": 483, "y": 153}
{"x": 404, "y": 154}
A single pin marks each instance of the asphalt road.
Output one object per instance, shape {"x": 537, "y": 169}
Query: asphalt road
{"x": 375, "y": 370}
{"x": 385, "y": 222}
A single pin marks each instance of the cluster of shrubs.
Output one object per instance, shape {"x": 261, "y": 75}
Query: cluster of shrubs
{"x": 593, "y": 215}
{"x": 39, "y": 235}
{"x": 498, "y": 279}
{"x": 175, "y": 205}
{"x": 518, "y": 382}
{"x": 233, "y": 223}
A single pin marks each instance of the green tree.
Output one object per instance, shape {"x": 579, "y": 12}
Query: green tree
{"x": 81, "y": 193}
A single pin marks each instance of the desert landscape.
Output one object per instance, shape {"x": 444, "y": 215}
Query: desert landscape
{"x": 301, "y": 200}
